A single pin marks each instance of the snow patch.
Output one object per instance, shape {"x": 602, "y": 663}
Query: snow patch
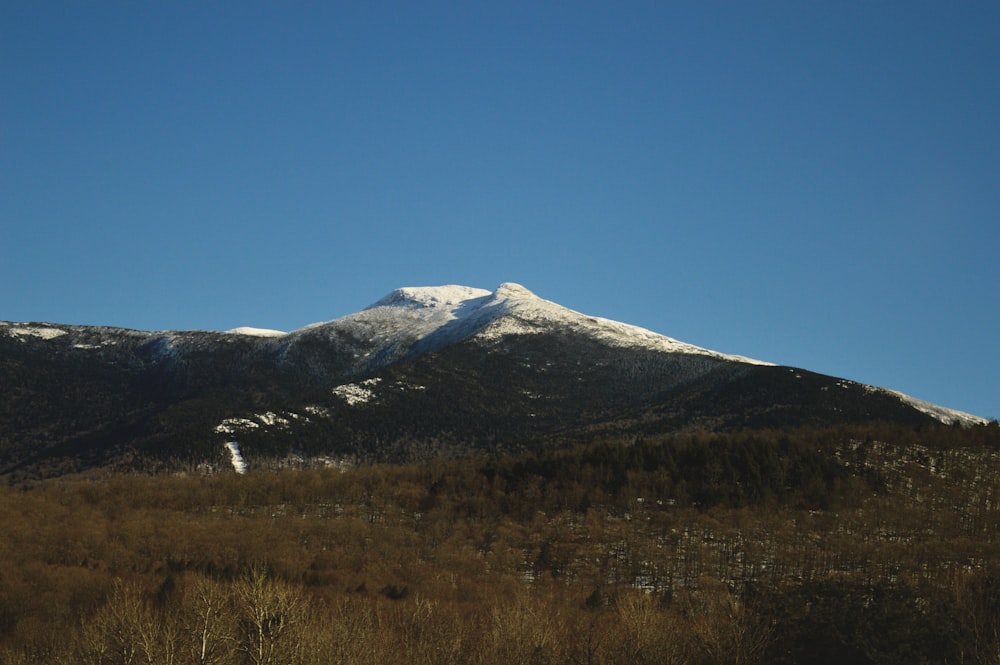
{"x": 256, "y": 332}
{"x": 315, "y": 410}
{"x": 271, "y": 419}
{"x": 43, "y": 332}
{"x": 267, "y": 419}
{"x": 945, "y": 415}
{"x": 239, "y": 465}
{"x": 403, "y": 386}
{"x": 357, "y": 393}
{"x": 234, "y": 425}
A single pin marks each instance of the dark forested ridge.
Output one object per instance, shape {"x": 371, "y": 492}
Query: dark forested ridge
{"x": 92, "y": 398}
{"x": 875, "y": 543}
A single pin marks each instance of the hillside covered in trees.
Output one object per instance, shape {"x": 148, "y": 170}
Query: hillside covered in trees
{"x": 861, "y": 544}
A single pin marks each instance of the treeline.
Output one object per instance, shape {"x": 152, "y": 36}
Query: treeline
{"x": 876, "y": 544}
{"x": 732, "y": 471}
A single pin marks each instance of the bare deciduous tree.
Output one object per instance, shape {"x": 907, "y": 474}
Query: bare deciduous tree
{"x": 208, "y": 621}
{"x": 269, "y": 611}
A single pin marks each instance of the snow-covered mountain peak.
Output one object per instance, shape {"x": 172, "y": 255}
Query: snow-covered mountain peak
{"x": 510, "y": 290}
{"x": 430, "y": 296}
{"x": 430, "y": 317}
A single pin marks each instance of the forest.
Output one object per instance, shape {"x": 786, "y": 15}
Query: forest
{"x": 864, "y": 544}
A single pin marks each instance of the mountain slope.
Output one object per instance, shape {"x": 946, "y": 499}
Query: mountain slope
{"x": 421, "y": 372}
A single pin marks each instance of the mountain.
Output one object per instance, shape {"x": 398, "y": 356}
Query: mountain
{"x": 420, "y": 373}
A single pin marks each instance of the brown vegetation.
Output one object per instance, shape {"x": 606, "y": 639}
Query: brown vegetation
{"x": 879, "y": 545}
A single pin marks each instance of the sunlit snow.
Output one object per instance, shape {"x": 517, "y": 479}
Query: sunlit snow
{"x": 267, "y": 419}
{"x": 270, "y": 418}
{"x": 531, "y": 314}
{"x": 357, "y": 393}
{"x": 438, "y": 315}
{"x": 256, "y": 332}
{"x": 315, "y": 410}
{"x": 35, "y": 331}
{"x": 234, "y": 425}
{"x": 944, "y": 414}
{"x": 239, "y": 466}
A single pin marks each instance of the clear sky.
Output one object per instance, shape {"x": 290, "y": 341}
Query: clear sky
{"x": 810, "y": 183}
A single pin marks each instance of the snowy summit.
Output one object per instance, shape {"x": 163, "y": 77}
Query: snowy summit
{"x": 439, "y": 315}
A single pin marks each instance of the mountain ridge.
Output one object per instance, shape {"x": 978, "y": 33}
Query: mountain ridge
{"x": 422, "y": 369}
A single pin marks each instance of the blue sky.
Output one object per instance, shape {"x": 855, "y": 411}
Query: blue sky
{"x": 814, "y": 184}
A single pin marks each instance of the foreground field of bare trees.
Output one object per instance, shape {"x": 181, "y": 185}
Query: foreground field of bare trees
{"x": 862, "y": 546}
{"x": 256, "y": 619}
